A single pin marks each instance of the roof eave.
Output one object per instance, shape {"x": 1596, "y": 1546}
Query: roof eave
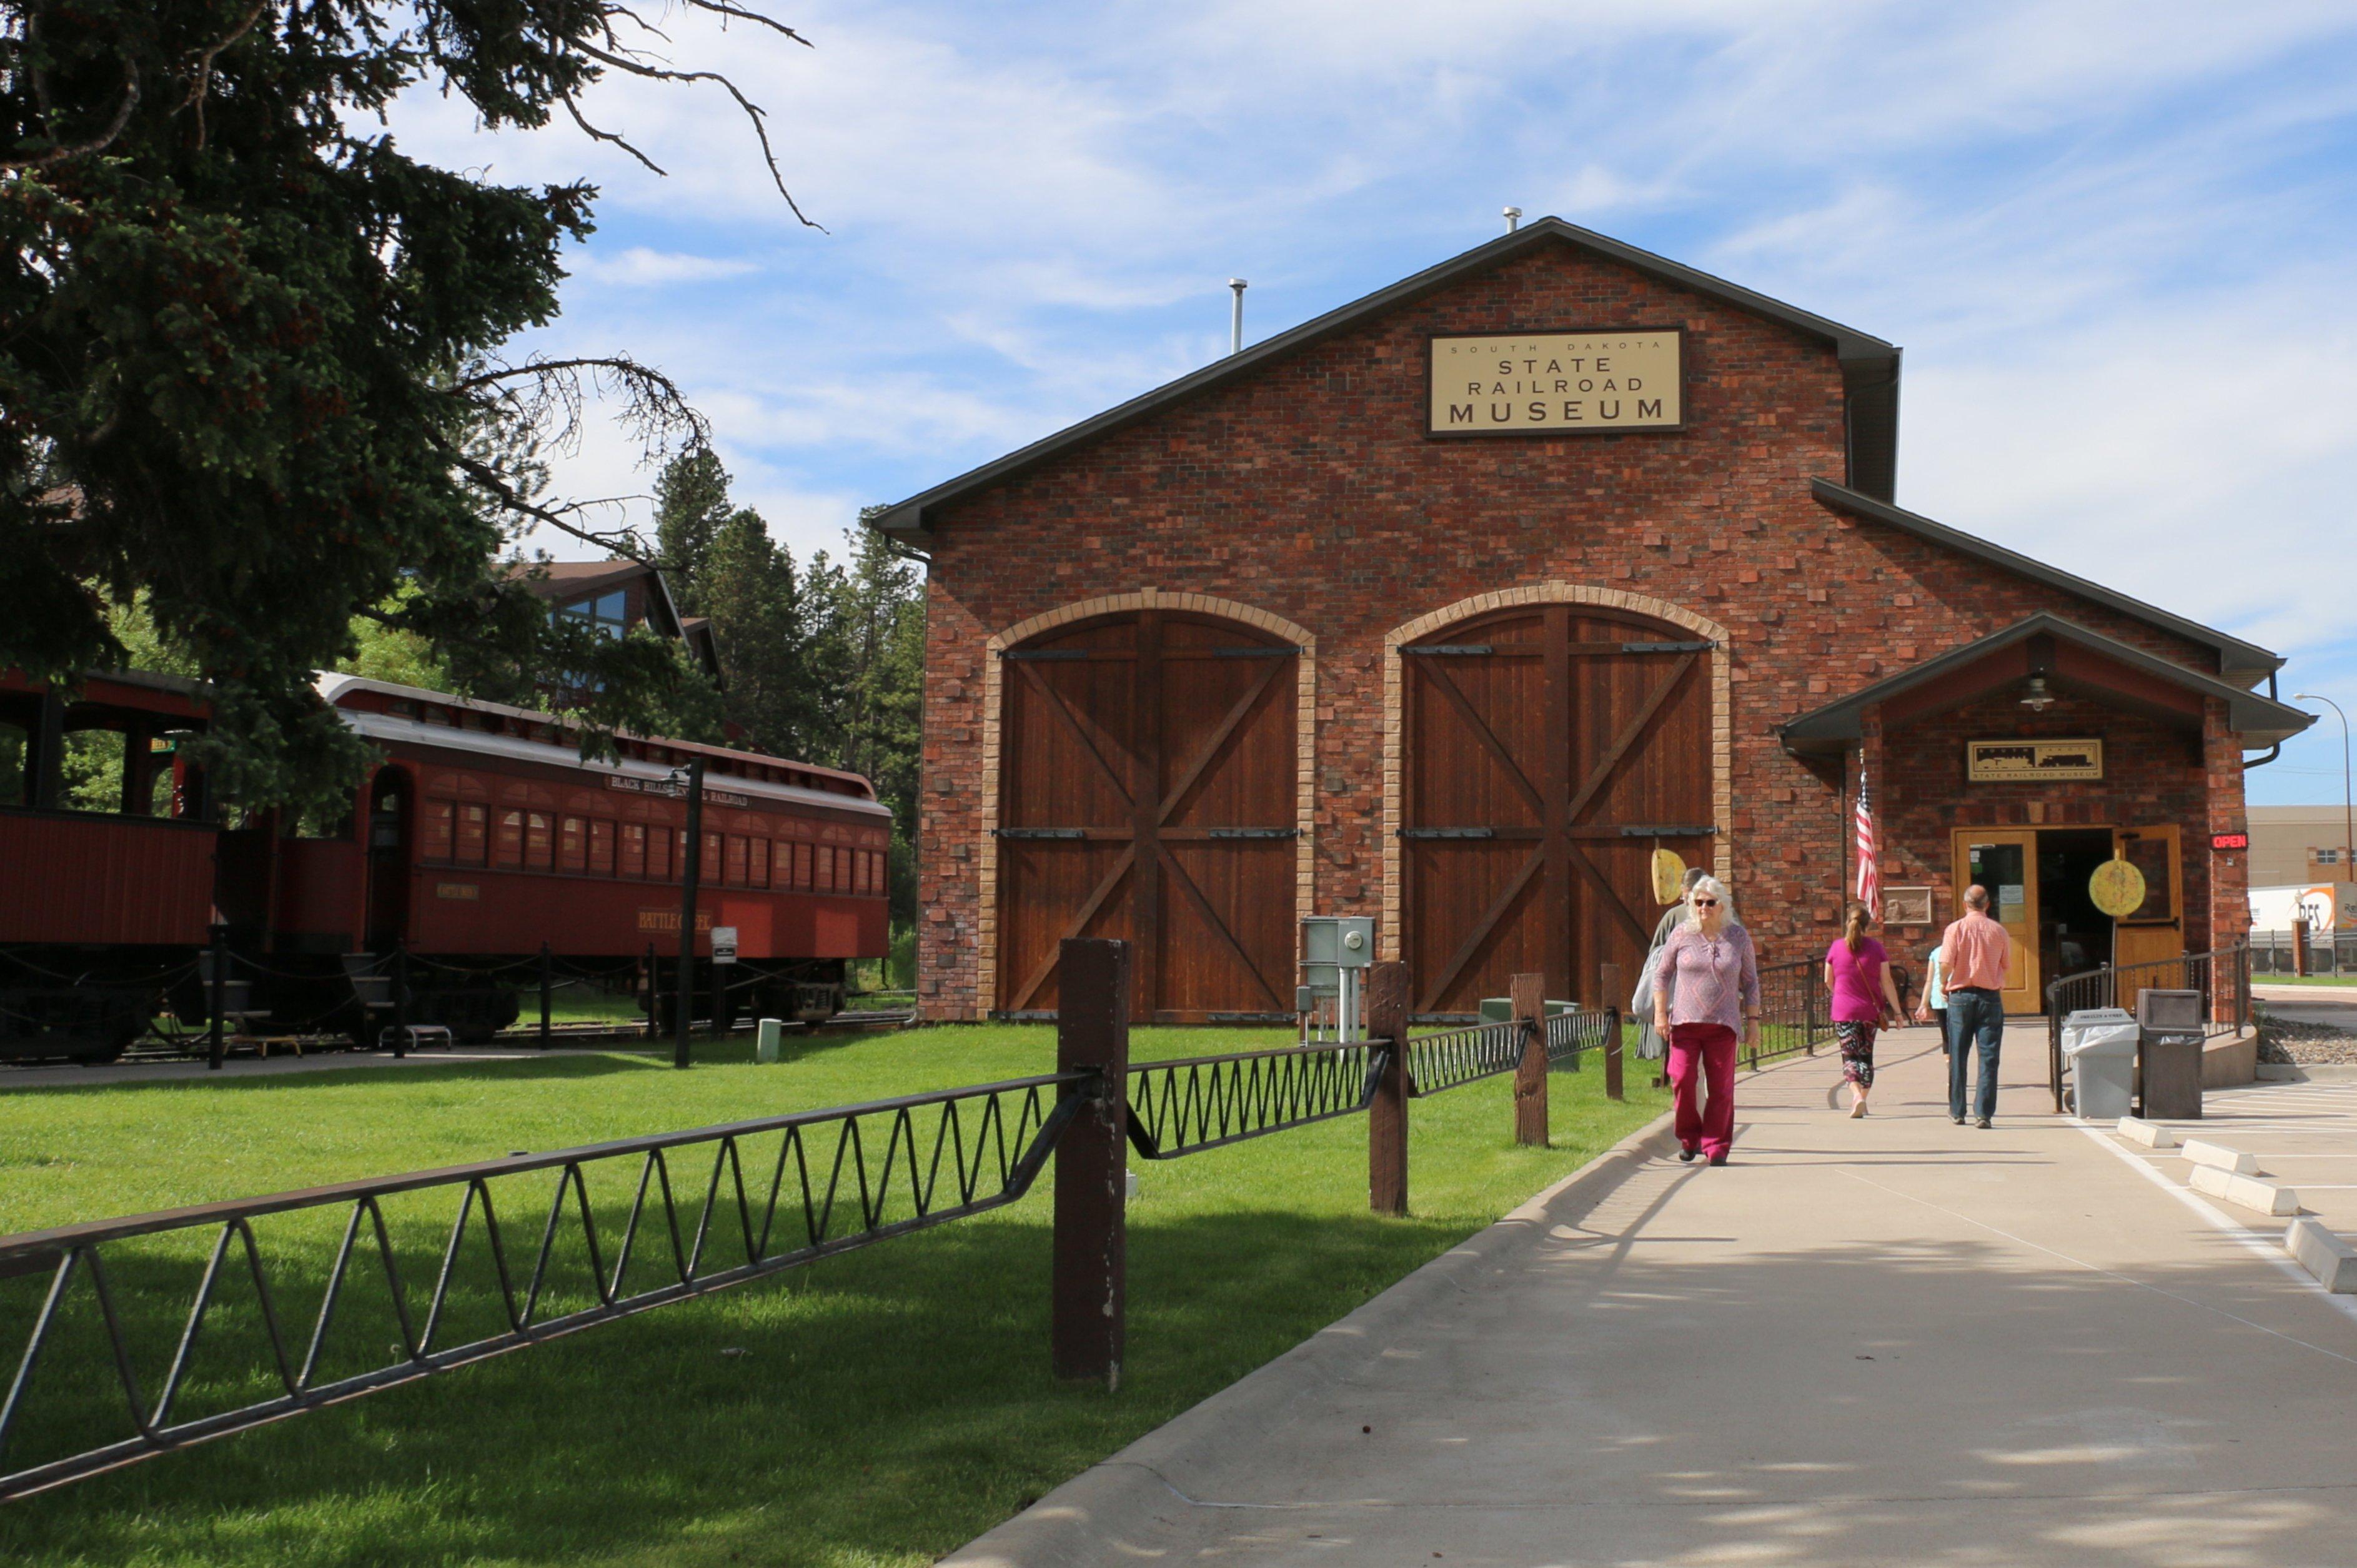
{"x": 908, "y": 518}
{"x": 2244, "y": 663}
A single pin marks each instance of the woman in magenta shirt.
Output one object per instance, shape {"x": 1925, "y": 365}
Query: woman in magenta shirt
{"x": 1858, "y": 973}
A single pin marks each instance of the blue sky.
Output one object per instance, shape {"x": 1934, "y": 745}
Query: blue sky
{"x": 2115, "y": 240}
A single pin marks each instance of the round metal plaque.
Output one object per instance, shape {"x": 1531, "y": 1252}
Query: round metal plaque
{"x": 2117, "y": 889}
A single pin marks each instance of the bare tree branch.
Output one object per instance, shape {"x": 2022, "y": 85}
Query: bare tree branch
{"x": 201, "y": 80}
{"x": 105, "y": 139}
{"x": 629, "y": 60}
{"x": 596, "y": 134}
{"x": 726, "y": 8}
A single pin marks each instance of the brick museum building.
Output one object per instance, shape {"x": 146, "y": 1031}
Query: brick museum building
{"x": 1453, "y": 606}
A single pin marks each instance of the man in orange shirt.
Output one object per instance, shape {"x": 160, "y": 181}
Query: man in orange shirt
{"x": 1974, "y": 951}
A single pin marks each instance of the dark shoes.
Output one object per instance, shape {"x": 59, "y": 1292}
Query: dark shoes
{"x": 1957, "y": 1120}
{"x": 1685, "y": 1156}
{"x": 1718, "y": 1159}
{"x": 1982, "y": 1123}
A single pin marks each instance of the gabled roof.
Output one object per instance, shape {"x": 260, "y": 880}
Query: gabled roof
{"x": 2260, "y": 721}
{"x": 1869, "y": 365}
{"x": 2245, "y": 664}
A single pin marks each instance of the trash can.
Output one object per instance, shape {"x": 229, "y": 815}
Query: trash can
{"x": 2099, "y": 1044}
{"x": 2170, "y": 1025}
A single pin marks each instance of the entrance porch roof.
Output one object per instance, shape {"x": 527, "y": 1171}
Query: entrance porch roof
{"x": 2072, "y": 659}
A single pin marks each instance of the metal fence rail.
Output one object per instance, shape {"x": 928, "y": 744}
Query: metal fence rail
{"x": 619, "y": 1228}
{"x": 1795, "y": 1013}
{"x": 2223, "y": 976}
{"x": 839, "y": 1179}
{"x": 1193, "y": 1104}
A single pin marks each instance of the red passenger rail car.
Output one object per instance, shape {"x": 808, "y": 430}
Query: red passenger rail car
{"x": 106, "y": 858}
{"x": 480, "y": 840}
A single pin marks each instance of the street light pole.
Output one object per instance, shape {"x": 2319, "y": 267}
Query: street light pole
{"x": 2348, "y": 797}
{"x": 683, "y": 997}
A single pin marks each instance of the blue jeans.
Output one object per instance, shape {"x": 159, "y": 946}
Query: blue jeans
{"x": 1974, "y": 1014}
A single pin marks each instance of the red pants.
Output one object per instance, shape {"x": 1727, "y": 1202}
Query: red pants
{"x": 1703, "y": 1055}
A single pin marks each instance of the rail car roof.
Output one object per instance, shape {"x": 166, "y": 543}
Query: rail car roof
{"x": 414, "y": 732}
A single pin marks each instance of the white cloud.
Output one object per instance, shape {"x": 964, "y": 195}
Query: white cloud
{"x": 640, "y": 267}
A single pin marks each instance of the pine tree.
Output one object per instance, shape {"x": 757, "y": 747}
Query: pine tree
{"x": 691, "y": 506}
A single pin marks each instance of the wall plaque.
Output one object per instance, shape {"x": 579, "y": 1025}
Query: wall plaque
{"x": 2032, "y": 762}
{"x": 1906, "y": 905}
{"x": 1557, "y": 383}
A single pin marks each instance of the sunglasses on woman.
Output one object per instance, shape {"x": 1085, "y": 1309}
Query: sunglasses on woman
{"x": 1705, "y": 903}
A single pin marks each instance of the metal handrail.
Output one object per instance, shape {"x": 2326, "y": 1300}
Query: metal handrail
{"x": 2103, "y": 987}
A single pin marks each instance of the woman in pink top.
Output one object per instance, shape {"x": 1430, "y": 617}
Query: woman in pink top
{"x": 1856, "y": 969}
{"x": 1705, "y": 986}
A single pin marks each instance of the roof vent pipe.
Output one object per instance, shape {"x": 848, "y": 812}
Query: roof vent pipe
{"x": 1513, "y": 219}
{"x": 1236, "y": 318}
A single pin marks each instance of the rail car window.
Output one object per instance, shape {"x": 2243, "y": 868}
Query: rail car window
{"x": 572, "y": 844}
{"x": 759, "y": 871}
{"x": 709, "y": 868}
{"x": 539, "y": 842}
{"x": 803, "y": 860}
{"x": 825, "y": 882}
{"x": 634, "y": 850}
{"x": 507, "y": 838}
{"x": 474, "y": 834}
{"x": 739, "y": 871}
{"x": 601, "y": 847}
{"x": 867, "y": 870}
{"x": 437, "y": 824}
{"x": 659, "y": 847}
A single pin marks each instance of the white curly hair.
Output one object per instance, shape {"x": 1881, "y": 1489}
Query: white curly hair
{"x": 1717, "y": 889}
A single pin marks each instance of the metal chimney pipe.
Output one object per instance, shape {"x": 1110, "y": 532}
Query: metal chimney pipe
{"x": 1236, "y": 318}
{"x": 1513, "y": 219}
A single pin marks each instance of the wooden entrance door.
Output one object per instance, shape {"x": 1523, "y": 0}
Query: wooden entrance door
{"x": 1148, "y": 791}
{"x": 1549, "y": 751}
{"x": 2154, "y": 930}
{"x": 2004, "y": 861}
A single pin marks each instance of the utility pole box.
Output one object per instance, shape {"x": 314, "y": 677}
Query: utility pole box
{"x": 1335, "y": 950}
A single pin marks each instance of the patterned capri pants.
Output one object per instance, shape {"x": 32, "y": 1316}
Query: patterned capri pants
{"x": 1857, "y": 1040}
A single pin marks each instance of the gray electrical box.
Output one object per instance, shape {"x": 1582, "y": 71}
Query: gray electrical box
{"x": 1345, "y": 942}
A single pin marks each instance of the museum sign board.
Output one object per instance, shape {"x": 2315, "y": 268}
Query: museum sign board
{"x": 1558, "y": 383}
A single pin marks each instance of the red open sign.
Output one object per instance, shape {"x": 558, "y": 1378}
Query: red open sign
{"x": 2230, "y": 841}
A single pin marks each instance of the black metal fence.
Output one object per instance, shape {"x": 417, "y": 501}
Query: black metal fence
{"x": 1795, "y": 1011}
{"x": 300, "y": 1300}
{"x": 2222, "y": 975}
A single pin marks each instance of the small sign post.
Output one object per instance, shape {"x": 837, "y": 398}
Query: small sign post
{"x": 724, "y": 944}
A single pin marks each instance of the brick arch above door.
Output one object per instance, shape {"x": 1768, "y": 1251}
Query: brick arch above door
{"x": 1080, "y": 610}
{"x": 1722, "y": 740}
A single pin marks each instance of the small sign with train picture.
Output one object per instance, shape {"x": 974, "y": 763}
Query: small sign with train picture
{"x": 2032, "y": 762}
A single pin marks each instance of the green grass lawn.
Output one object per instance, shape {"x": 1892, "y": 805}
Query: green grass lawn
{"x": 877, "y": 1408}
{"x": 2342, "y": 980}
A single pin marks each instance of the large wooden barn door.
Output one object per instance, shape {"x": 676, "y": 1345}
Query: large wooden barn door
{"x": 1549, "y": 751}
{"x": 1148, "y": 791}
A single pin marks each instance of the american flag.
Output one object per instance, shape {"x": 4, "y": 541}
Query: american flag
{"x": 1869, "y": 871}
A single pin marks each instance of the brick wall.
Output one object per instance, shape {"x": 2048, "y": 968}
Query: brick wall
{"x": 1305, "y": 488}
{"x": 2153, "y": 776}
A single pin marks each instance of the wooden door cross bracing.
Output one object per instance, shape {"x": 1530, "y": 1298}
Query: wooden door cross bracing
{"x": 1560, "y": 806}
{"x": 1150, "y": 800}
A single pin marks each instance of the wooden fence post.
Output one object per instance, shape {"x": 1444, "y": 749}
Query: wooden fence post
{"x": 1088, "y": 1315}
{"x": 1387, "y": 1117}
{"x": 1608, "y": 977}
{"x": 1528, "y": 994}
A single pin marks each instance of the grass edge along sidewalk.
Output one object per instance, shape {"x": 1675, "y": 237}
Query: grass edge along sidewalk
{"x": 882, "y": 1408}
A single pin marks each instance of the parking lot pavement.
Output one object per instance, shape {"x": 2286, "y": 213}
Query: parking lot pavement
{"x": 2332, "y": 1004}
{"x": 2303, "y": 1135}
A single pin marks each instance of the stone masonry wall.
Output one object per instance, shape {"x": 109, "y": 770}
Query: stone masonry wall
{"x": 1308, "y": 488}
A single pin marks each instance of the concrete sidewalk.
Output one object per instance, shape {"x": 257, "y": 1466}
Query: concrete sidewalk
{"x": 1892, "y": 1340}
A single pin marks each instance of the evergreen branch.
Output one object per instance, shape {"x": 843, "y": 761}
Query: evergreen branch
{"x": 106, "y": 138}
